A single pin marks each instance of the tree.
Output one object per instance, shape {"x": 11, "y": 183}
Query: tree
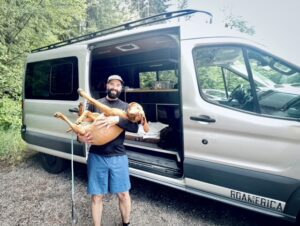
{"x": 25, "y": 25}
{"x": 146, "y": 8}
{"x": 238, "y": 23}
{"x": 182, "y": 4}
{"x": 101, "y": 15}
{"x": 28, "y": 24}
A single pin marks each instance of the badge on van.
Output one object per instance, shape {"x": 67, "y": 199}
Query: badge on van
{"x": 258, "y": 200}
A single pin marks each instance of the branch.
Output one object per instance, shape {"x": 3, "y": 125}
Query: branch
{"x": 24, "y": 25}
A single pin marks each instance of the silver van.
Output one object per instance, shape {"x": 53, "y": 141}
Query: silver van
{"x": 224, "y": 112}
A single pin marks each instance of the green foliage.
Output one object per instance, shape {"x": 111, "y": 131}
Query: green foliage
{"x": 26, "y": 25}
{"x": 101, "y": 15}
{"x": 169, "y": 75}
{"x": 30, "y": 24}
{"x": 148, "y": 79}
{"x": 148, "y": 7}
{"x": 12, "y": 148}
{"x": 10, "y": 114}
{"x": 182, "y": 4}
{"x": 10, "y": 81}
{"x": 240, "y": 24}
{"x": 211, "y": 78}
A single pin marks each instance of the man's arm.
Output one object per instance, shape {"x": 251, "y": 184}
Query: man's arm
{"x": 128, "y": 125}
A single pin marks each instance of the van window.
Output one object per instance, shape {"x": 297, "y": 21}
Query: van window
{"x": 268, "y": 86}
{"x": 161, "y": 79}
{"x": 147, "y": 79}
{"x": 61, "y": 79}
{"x": 52, "y": 79}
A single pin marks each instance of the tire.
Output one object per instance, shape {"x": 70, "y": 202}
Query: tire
{"x": 52, "y": 164}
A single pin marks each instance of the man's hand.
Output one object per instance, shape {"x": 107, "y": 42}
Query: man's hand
{"x": 87, "y": 138}
{"x": 107, "y": 121}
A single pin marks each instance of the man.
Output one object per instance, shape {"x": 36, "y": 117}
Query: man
{"x": 108, "y": 164}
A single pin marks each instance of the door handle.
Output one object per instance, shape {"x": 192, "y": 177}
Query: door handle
{"x": 74, "y": 110}
{"x": 203, "y": 118}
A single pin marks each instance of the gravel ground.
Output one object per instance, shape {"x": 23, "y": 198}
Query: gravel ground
{"x": 31, "y": 196}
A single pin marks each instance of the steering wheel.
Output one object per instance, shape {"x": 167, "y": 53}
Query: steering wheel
{"x": 238, "y": 93}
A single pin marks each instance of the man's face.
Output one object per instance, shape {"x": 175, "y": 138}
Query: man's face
{"x": 113, "y": 89}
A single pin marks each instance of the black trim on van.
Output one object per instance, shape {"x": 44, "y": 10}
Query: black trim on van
{"x": 53, "y": 142}
{"x": 253, "y": 182}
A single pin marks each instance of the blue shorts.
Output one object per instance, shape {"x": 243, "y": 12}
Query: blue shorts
{"x": 107, "y": 174}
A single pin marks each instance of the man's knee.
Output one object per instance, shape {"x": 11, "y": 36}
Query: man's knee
{"x": 97, "y": 199}
{"x": 124, "y": 196}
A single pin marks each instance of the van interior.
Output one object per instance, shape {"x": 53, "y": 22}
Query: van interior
{"x": 149, "y": 66}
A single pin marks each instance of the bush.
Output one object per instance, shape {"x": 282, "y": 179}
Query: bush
{"x": 12, "y": 147}
{"x": 11, "y": 144}
{"x": 10, "y": 114}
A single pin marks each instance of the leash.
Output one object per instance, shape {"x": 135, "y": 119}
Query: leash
{"x": 74, "y": 214}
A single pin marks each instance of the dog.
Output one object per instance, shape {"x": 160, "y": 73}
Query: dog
{"x": 86, "y": 122}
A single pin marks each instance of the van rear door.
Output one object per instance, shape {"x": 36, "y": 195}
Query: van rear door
{"x": 50, "y": 85}
{"x": 241, "y": 110}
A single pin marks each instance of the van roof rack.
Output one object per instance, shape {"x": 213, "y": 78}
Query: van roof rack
{"x": 125, "y": 26}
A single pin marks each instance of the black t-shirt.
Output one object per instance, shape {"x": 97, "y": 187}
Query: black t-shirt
{"x": 115, "y": 147}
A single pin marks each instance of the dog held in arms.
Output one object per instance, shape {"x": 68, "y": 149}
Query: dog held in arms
{"x": 134, "y": 113}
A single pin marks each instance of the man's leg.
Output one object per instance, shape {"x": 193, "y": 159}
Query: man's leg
{"x": 120, "y": 184}
{"x": 97, "y": 184}
{"x": 97, "y": 207}
{"x": 125, "y": 206}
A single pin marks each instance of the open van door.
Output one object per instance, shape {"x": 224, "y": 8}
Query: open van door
{"x": 241, "y": 112}
{"x": 50, "y": 85}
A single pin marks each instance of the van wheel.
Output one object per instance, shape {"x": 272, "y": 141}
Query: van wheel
{"x": 52, "y": 164}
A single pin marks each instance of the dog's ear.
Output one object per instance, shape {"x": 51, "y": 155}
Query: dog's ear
{"x": 80, "y": 108}
{"x": 145, "y": 123}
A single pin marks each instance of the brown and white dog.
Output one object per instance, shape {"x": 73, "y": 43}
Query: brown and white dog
{"x": 103, "y": 135}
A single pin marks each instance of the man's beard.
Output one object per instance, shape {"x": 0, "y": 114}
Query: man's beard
{"x": 113, "y": 93}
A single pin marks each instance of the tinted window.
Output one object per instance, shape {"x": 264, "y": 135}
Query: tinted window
{"x": 52, "y": 79}
{"x": 267, "y": 86}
